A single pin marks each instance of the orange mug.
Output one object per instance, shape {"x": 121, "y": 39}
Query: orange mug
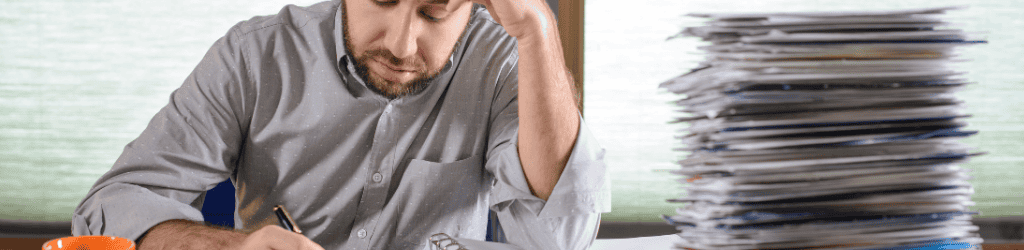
{"x": 94, "y": 242}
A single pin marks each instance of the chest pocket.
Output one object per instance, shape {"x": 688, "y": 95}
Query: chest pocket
{"x": 442, "y": 198}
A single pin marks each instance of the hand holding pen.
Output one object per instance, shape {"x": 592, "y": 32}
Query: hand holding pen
{"x": 288, "y": 236}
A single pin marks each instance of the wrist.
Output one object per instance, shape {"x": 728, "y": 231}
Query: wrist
{"x": 540, "y": 43}
{"x": 535, "y": 30}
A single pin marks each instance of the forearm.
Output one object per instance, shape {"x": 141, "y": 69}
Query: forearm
{"x": 548, "y": 116}
{"x": 183, "y": 234}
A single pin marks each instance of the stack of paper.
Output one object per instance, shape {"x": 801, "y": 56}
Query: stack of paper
{"x": 835, "y": 130}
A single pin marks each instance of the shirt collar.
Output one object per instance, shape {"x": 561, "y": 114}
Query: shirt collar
{"x": 345, "y": 65}
{"x": 339, "y": 38}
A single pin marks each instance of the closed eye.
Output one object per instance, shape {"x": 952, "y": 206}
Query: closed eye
{"x": 423, "y": 11}
{"x": 425, "y": 15}
{"x": 386, "y": 3}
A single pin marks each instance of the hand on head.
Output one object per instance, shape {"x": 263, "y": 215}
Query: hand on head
{"x": 521, "y": 17}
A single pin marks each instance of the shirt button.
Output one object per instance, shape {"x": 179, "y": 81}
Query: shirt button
{"x": 377, "y": 177}
{"x": 361, "y": 233}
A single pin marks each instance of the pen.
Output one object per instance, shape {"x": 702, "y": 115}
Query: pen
{"x": 286, "y": 219}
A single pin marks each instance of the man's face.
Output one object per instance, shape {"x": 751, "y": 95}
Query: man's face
{"x": 399, "y": 45}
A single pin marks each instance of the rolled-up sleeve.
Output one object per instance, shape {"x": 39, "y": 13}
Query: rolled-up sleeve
{"x": 571, "y": 214}
{"x": 188, "y": 147}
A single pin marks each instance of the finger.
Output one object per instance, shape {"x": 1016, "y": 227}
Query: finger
{"x": 310, "y": 245}
{"x": 298, "y": 241}
{"x": 278, "y": 238}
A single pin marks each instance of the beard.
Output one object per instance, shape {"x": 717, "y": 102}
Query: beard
{"x": 388, "y": 88}
{"x": 384, "y": 87}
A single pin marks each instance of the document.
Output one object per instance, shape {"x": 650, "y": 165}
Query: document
{"x": 825, "y": 130}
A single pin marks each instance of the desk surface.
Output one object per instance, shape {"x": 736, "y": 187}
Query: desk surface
{"x": 665, "y": 242}
{"x": 655, "y": 242}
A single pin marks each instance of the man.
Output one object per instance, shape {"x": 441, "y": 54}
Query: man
{"x": 376, "y": 123}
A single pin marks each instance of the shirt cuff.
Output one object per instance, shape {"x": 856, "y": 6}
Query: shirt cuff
{"x": 582, "y": 188}
{"x": 128, "y": 211}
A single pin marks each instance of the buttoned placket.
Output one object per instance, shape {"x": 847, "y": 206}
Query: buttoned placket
{"x": 381, "y": 165}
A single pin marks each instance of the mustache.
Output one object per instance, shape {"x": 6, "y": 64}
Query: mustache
{"x": 387, "y": 56}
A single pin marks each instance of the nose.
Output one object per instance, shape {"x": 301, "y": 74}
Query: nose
{"x": 402, "y": 32}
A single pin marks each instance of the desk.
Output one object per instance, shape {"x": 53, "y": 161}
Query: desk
{"x": 641, "y": 243}
{"x": 666, "y": 241}
{"x": 652, "y": 242}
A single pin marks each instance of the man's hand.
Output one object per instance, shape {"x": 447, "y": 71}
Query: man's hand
{"x": 183, "y": 234}
{"x": 522, "y": 18}
{"x": 277, "y": 238}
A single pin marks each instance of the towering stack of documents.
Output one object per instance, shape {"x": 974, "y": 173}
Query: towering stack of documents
{"x": 835, "y": 130}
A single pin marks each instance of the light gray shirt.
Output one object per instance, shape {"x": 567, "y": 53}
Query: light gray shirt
{"x": 275, "y": 106}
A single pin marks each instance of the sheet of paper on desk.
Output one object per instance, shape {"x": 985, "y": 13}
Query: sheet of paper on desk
{"x": 446, "y": 243}
{"x": 835, "y": 130}
{"x": 639, "y": 243}
{"x": 485, "y": 245}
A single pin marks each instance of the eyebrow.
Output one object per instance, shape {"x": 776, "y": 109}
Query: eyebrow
{"x": 438, "y": 2}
